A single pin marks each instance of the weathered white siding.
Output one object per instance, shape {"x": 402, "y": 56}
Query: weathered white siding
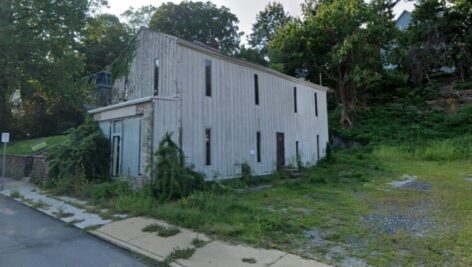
{"x": 149, "y": 47}
{"x": 234, "y": 118}
{"x": 231, "y": 113}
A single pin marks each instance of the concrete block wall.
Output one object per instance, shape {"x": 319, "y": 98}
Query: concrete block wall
{"x": 18, "y": 167}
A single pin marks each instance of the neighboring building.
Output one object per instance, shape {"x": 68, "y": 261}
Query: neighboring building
{"x": 223, "y": 112}
{"x": 404, "y": 20}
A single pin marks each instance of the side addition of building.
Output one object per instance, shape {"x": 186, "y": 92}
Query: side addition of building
{"x": 223, "y": 112}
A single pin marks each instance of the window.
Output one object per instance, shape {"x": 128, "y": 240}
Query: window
{"x": 258, "y": 146}
{"x": 316, "y": 104}
{"x": 208, "y": 147}
{"x": 156, "y": 76}
{"x": 208, "y": 77}
{"x": 317, "y": 147}
{"x": 295, "y": 99}
{"x": 256, "y": 88}
{"x": 297, "y": 154}
{"x": 181, "y": 132}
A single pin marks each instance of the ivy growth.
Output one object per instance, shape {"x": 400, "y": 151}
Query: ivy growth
{"x": 170, "y": 178}
{"x": 121, "y": 66}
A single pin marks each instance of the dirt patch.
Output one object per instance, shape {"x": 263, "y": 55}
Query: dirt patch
{"x": 410, "y": 182}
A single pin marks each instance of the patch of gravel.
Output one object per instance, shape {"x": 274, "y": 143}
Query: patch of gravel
{"x": 468, "y": 179}
{"x": 390, "y": 224}
{"x": 410, "y": 182}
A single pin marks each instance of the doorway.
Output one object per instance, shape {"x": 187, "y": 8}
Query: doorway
{"x": 280, "y": 150}
{"x": 115, "y": 163}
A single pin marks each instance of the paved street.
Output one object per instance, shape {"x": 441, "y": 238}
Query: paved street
{"x": 29, "y": 238}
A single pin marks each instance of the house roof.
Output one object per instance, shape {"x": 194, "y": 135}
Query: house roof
{"x": 215, "y": 53}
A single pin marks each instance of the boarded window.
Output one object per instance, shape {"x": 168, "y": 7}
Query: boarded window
{"x": 208, "y": 147}
{"x": 317, "y": 147}
{"x": 256, "y": 88}
{"x": 316, "y": 104}
{"x": 156, "y": 76}
{"x": 295, "y": 99}
{"x": 208, "y": 77}
{"x": 258, "y": 146}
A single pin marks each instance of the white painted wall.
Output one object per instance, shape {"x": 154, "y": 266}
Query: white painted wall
{"x": 231, "y": 112}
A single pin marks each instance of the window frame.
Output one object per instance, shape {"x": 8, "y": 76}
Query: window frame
{"x": 208, "y": 78}
{"x": 157, "y": 68}
{"x": 208, "y": 146}
{"x": 256, "y": 89}
{"x": 295, "y": 102}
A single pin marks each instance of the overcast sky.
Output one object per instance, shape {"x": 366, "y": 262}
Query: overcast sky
{"x": 245, "y": 10}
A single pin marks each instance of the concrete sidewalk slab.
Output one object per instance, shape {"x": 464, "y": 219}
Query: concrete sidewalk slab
{"x": 128, "y": 233}
{"x": 291, "y": 260}
{"x": 219, "y": 254}
{"x": 32, "y": 194}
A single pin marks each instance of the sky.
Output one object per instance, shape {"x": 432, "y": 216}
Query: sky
{"x": 245, "y": 10}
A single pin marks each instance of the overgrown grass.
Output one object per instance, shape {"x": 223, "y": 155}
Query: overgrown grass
{"x": 23, "y": 147}
{"x": 162, "y": 231}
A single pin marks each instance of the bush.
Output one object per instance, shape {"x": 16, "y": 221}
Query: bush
{"x": 86, "y": 153}
{"x": 111, "y": 190}
{"x": 171, "y": 179}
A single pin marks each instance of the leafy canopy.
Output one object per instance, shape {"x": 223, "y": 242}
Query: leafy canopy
{"x": 198, "y": 21}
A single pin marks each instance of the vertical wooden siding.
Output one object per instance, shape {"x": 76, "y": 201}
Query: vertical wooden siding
{"x": 230, "y": 112}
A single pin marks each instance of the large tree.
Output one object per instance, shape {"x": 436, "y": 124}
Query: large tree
{"x": 198, "y": 21}
{"x": 39, "y": 55}
{"x": 458, "y": 34}
{"x": 105, "y": 38}
{"x": 343, "y": 40}
{"x": 268, "y": 21}
{"x": 140, "y": 17}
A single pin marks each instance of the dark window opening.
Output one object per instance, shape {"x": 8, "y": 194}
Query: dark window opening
{"x": 297, "y": 154}
{"x": 295, "y": 99}
{"x": 208, "y": 77}
{"x": 208, "y": 147}
{"x": 316, "y": 104}
{"x": 256, "y": 88}
{"x": 317, "y": 147}
{"x": 180, "y": 138}
{"x": 258, "y": 137}
{"x": 156, "y": 76}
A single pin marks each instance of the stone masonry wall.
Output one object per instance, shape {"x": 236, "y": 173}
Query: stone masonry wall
{"x": 18, "y": 167}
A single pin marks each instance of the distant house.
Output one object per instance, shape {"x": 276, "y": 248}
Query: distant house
{"x": 404, "y": 20}
{"x": 223, "y": 112}
{"x": 402, "y": 23}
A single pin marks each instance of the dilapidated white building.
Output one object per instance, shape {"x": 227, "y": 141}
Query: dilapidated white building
{"x": 223, "y": 112}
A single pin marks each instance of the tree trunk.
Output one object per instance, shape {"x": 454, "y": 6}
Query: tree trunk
{"x": 347, "y": 105}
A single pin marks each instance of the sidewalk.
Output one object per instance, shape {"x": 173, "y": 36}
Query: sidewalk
{"x": 127, "y": 233}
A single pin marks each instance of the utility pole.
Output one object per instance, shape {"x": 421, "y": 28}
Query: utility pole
{"x": 5, "y": 140}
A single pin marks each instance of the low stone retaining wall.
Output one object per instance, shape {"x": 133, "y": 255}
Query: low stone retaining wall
{"x": 18, "y": 167}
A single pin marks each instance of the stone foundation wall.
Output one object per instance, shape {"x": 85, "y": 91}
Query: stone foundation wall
{"x": 18, "y": 167}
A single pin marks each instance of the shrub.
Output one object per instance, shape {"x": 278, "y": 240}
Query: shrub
{"x": 111, "y": 190}
{"x": 86, "y": 152}
{"x": 246, "y": 171}
{"x": 170, "y": 178}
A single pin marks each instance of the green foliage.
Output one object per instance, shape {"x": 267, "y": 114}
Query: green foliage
{"x": 23, "y": 147}
{"x": 122, "y": 64}
{"x": 251, "y": 55}
{"x": 171, "y": 179}
{"x": 105, "y": 39}
{"x": 246, "y": 171}
{"x": 162, "y": 231}
{"x": 199, "y": 21}
{"x": 140, "y": 17}
{"x": 85, "y": 154}
{"x": 39, "y": 54}
{"x": 268, "y": 21}
{"x": 344, "y": 42}
{"x": 110, "y": 190}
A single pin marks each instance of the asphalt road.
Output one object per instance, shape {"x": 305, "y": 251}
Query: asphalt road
{"x": 30, "y": 238}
